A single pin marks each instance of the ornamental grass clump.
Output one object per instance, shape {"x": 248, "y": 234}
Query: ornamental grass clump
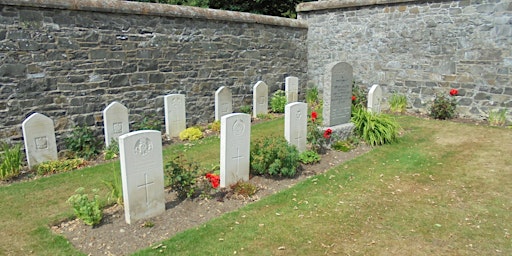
{"x": 274, "y": 156}
{"x": 498, "y": 117}
{"x": 374, "y": 129}
{"x": 10, "y": 161}
{"x": 397, "y": 103}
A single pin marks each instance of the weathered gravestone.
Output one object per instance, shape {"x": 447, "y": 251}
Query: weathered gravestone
{"x": 295, "y": 124}
{"x": 260, "y": 99}
{"x": 291, "y": 87}
{"x": 337, "y": 94}
{"x": 39, "y": 138}
{"x": 175, "y": 115}
{"x": 235, "y": 136}
{"x": 142, "y": 174}
{"x": 374, "y": 98}
{"x": 223, "y": 102}
{"x": 115, "y": 119}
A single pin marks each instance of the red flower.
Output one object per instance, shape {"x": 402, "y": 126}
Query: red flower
{"x": 327, "y": 133}
{"x": 454, "y": 92}
{"x": 214, "y": 179}
{"x": 314, "y": 115}
{"x": 354, "y": 98}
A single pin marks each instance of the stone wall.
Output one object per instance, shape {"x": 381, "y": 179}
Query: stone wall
{"x": 68, "y": 59}
{"x": 418, "y": 48}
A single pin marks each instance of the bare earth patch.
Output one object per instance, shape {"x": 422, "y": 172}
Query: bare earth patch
{"x": 114, "y": 237}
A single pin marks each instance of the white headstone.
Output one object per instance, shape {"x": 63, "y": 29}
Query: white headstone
{"x": 260, "y": 99}
{"x": 223, "y": 102}
{"x": 291, "y": 87}
{"x": 175, "y": 114}
{"x": 374, "y": 98}
{"x": 337, "y": 94}
{"x": 115, "y": 119}
{"x": 142, "y": 174}
{"x": 295, "y": 124}
{"x": 235, "y": 136}
{"x": 39, "y": 138}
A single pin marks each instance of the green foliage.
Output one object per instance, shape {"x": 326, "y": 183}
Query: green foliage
{"x": 86, "y": 209}
{"x": 274, "y": 156}
{"x": 264, "y": 116}
{"x": 443, "y": 107}
{"x": 315, "y": 137}
{"x": 244, "y": 189}
{"x": 182, "y": 176}
{"x": 498, "y": 117}
{"x": 112, "y": 151}
{"x": 342, "y": 145}
{"x": 375, "y": 129}
{"x": 148, "y": 122}
{"x": 312, "y": 97}
{"x": 359, "y": 95}
{"x": 398, "y": 103}
{"x": 10, "y": 161}
{"x": 278, "y": 101}
{"x": 115, "y": 187}
{"x": 309, "y": 157}
{"x": 245, "y": 109}
{"x": 58, "y": 166}
{"x": 191, "y": 134}
{"x": 83, "y": 143}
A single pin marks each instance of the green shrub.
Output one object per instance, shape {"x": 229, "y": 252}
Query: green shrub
{"x": 245, "y": 109}
{"x": 274, "y": 156}
{"x": 397, "y": 103}
{"x": 498, "y": 117}
{"x": 443, "y": 107}
{"x": 312, "y": 96}
{"x": 278, "y": 101}
{"x": 112, "y": 151}
{"x": 191, "y": 134}
{"x": 148, "y": 122}
{"x": 309, "y": 157}
{"x": 375, "y": 129}
{"x": 182, "y": 176}
{"x": 86, "y": 209}
{"x": 359, "y": 95}
{"x": 58, "y": 166}
{"x": 10, "y": 161}
{"x": 83, "y": 143}
{"x": 316, "y": 137}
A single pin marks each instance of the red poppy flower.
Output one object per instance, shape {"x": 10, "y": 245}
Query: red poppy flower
{"x": 327, "y": 133}
{"x": 454, "y": 92}
{"x": 353, "y": 98}
{"x": 314, "y": 115}
{"x": 214, "y": 179}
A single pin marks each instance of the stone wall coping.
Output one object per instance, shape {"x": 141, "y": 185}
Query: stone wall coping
{"x": 166, "y": 10}
{"x": 340, "y": 4}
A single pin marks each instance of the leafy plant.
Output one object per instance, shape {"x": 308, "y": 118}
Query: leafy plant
{"x": 316, "y": 137}
{"x": 278, "y": 101}
{"x": 85, "y": 208}
{"x": 148, "y": 122}
{"x": 115, "y": 187}
{"x": 112, "y": 151}
{"x": 443, "y": 107}
{"x": 244, "y": 189}
{"x": 397, "y": 103}
{"x": 309, "y": 157}
{"x": 312, "y": 98}
{"x": 342, "y": 145}
{"x": 83, "y": 143}
{"x": 274, "y": 156}
{"x": 498, "y": 117}
{"x": 264, "y": 116}
{"x": 375, "y": 129}
{"x": 10, "y": 161}
{"x": 58, "y": 166}
{"x": 182, "y": 176}
{"x": 215, "y": 126}
{"x": 359, "y": 95}
{"x": 245, "y": 109}
{"x": 191, "y": 134}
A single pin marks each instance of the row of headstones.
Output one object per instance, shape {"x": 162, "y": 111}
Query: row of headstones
{"x": 39, "y": 131}
{"x": 142, "y": 164}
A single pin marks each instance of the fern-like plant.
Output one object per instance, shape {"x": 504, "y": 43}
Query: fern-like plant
{"x": 375, "y": 129}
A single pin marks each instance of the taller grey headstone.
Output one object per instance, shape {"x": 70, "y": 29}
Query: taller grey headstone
{"x": 291, "y": 87}
{"x": 175, "y": 114}
{"x": 235, "y": 140}
{"x": 260, "y": 99}
{"x": 115, "y": 119}
{"x": 223, "y": 102}
{"x": 142, "y": 174}
{"x": 337, "y": 94}
{"x": 295, "y": 124}
{"x": 375, "y": 98}
{"x": 39, "y": 138}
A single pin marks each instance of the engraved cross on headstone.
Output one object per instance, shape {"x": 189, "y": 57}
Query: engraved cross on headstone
{"x": 237, "y": 158}
{"x": 145, "y": 186}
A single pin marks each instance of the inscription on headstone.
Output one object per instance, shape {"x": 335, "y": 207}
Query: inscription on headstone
{"x": 235, "y": 134}
{"x": 337, "y": 94}
{"x": 295, "y": 124}
{"x": 175, "y": 114}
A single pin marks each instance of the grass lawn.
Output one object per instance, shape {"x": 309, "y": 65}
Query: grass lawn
{"x": 444, "y": 189}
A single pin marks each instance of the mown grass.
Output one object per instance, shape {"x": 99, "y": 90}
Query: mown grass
{"x": 444, "y": 189}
